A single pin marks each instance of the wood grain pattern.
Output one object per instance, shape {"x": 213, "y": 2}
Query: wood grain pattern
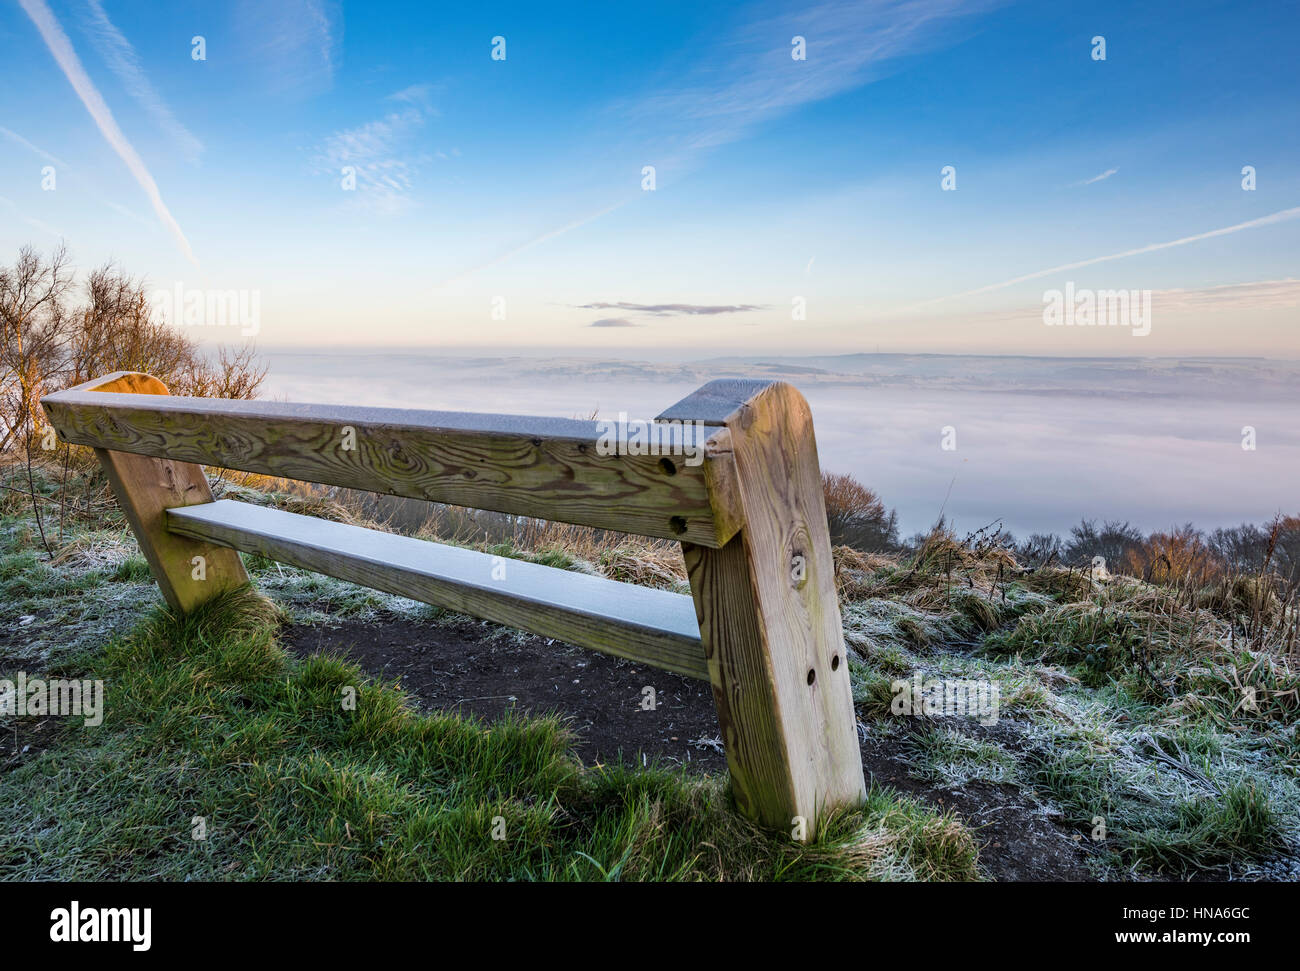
{"x": 654, "y": 627}
{"x": 770, "y": 622}
{"x": 544, "y": 467}
{"x": 145, "y": 488}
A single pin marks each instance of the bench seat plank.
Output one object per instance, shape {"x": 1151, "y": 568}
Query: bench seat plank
{"x": 654, "y": 627}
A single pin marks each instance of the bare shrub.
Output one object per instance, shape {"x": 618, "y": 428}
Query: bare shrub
{"x": 51, "y": 340}
{"x": 856, "y": 516}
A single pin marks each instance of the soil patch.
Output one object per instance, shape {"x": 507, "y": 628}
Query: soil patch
{"x": 473, "y": 667}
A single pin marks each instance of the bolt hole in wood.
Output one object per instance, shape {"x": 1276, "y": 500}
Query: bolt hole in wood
{"x": 812, "y": 676}
{"x": 678, "y": 525}
{"x": 668, "y": 466}
{"x": 835, "y": 663}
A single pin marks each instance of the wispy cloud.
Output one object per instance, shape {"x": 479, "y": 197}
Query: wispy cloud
{"x": 675, "y": 309}
{"x": 57, "y": 41}
{"x": 1226, "y": 298}
{"x": 292, "y": 45}
{"x": 379, "y": 152}
{"x": 122, "y": 59}
{"x": 55, "y": 160}
{"x": 1096, "y": 178}
{"x": 535, "y": 241}
{"x": 1282, "y": 215}
{"x": 37, "y": 224}
{"x": 122, "y": 210}
{"x": 614, "y": 322}
{"x": 848, "y": 44}
{"x": 13, "y": 136}
{"x": 1253, "y": 295}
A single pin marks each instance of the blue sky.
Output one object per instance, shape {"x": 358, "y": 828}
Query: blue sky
{"x": 516, "y": 184}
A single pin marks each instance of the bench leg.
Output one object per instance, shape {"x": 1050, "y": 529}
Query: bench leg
{"x": 770, "y": 624}
{"x": 188, "y": 571}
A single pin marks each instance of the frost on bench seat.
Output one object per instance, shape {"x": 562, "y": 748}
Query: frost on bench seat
{"x": 654, "y": 627}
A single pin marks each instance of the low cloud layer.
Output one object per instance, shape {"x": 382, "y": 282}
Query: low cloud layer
{"x": 675, "y": 309}
{"x": 663, "y": 310}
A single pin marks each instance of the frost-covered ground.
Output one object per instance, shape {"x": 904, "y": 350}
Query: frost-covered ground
{"x": 1137, "y": 718}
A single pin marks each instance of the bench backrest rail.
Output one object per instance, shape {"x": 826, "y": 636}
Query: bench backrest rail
{"x": 548, "y": 468}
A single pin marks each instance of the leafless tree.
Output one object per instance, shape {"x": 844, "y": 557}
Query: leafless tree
{"x": 856, "y": 516}
{"x": 49, "y": 342}
{"x": 35, "y": 322}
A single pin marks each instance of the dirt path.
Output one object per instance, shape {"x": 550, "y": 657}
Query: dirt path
{"x": 470, "y": 668}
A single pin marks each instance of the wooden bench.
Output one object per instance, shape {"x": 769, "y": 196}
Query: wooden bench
{"x": 762, "y": 624}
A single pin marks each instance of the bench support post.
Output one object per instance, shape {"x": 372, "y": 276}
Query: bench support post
{"x": 769, "y": 614}
{"x": 188, "y": 571}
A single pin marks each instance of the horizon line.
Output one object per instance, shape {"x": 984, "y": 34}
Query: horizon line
{"x": 375, "y": 350}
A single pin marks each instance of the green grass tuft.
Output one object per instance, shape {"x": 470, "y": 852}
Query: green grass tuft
{"x": 309, "y": 770}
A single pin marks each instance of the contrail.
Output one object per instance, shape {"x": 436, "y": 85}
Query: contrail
{"x": 702, "y": 114}
{"x": 121, "y": 57}
{"x": 1277, "y": 217}
{"x": 57, "y": 41}
{"x": 536, "y": 240}
{"x": 14, "y": 136}
{"x": 1096, "y": 178}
